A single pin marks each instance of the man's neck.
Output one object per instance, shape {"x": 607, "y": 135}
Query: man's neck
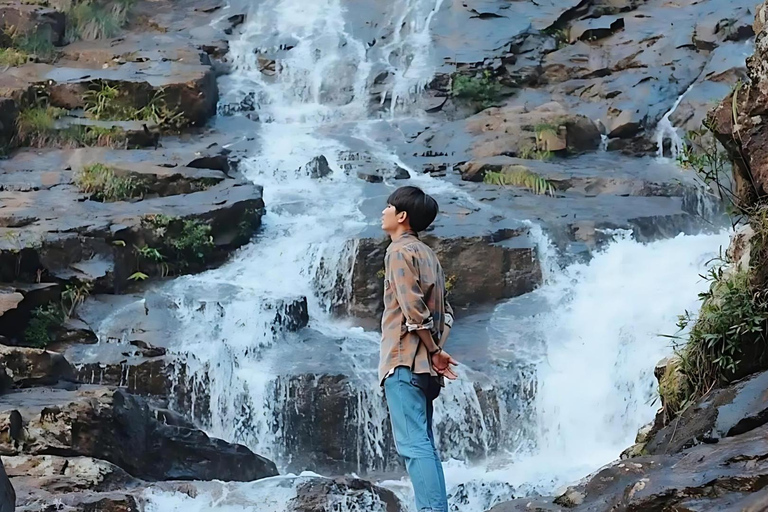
{"x": 399, "y": 232}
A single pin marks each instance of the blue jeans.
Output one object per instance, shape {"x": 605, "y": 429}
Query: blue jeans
{"x": 411, "y": 415}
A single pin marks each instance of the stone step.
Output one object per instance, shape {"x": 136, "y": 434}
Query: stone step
{"x": 113, "y": 425}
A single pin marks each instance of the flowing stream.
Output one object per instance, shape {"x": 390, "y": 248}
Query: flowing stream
{"x": 571, "y": 370}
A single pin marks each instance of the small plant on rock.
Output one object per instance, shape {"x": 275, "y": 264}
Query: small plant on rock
{"x": 44, "y": 320}
{"x": 484, "y": 90}
{"x": 73, "y": 296}
{"x": 107, "y": 102}
{"x": 102, "y": 184}
{"x": 93, "y": 19}
{"x": 36, "y": 126}
{"x": 520, "y": 176}
{"x": 11, "y": 57}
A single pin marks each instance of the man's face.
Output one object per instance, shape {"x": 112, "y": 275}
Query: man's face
{"x": 389, "y": 218}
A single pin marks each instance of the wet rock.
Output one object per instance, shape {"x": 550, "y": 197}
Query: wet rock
{"x": 527, "y": 505}
{"x": 593, "y": 29}
{"x": 121, "y": 428}
{"x": 316, "y": 168}
{"x": 723, "y": 413}
{"x": 707, "y": 477}
{"x": 401, "y": 174}
{"x": 31, "y": 499}
{"x": 737, "y": 123}
{"x": 7, "y": 492}
{"x": 318, "y": 494}
{"x": 26, "y": 367}
{"x": 518, "y": 130}
{"x": 147, "y": 349}
{"x": 90, "y": 241}
{"x": 370, "y": 177}
{"x": 148, "y": 378}
{"x": 567, "y": 178}
{"x": 74, "y": 331}
{"x": 158, "y": 180}
{"x": 9, "y": 110}
{"x": 34, "y": 20}
{"x": 21, "y": 300}
{"x": 58, "y": 474}
{"x": 481, "y": 269}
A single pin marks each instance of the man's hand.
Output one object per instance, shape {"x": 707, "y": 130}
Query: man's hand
{"x": 442, "y": 362}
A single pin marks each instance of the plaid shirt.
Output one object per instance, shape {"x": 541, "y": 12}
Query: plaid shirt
{"x": 414, "y": 299}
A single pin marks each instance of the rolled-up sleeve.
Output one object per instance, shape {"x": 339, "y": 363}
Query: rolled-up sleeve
{"x": 448, "y": 313}
{"x": 404, "y": 277}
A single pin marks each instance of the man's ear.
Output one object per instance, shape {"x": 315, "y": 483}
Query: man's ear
{"x": 401, "y": 216}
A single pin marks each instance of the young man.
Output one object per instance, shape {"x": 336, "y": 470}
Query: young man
{"x": 416, "y": 322}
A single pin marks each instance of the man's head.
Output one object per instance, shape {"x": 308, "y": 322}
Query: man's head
{"x": 408, "y": 208}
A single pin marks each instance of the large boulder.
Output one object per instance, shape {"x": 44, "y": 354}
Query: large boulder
{"x": 478, "y": 270}
{"x": 721, "y": 414}
{"x": 522, "y": 131}
{"x": 7, "y": 492}
{"x": 25, "y": 367}
{"x": 727, "y": 476}
{"x": 318, "y": 494}
{"x": 113, "y": 425}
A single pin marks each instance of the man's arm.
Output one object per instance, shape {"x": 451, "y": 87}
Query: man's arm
{"x": 418, "y": 318}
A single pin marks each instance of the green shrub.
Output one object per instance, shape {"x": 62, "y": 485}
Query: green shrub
{"x": 43, "y": 321}
{"x": 102, "y": 184}
{"x": 92, "y": 19}
{"x": 107, "y": 102}
{"x": 182, "y": 242}
{"x": 35, "y": 126}
{"x": 733, "y": 318}
{"x": 484, "y": 90}
{"x": 13, "y": 57}
{"x": 520, "y": 176}
{"x": 37, "y": 43}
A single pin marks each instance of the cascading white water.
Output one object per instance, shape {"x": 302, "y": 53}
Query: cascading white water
{"x": 303, "y": 250}
{"x": 594, "y": 347}
{"x": 666, "y": 130}
{"x": 232, "y": 352}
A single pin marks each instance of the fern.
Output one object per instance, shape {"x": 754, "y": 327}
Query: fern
{"x": 520, "y": 176}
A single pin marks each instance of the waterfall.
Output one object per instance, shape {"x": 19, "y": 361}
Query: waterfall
{"x": 592, "y": 326}
{"x": 666, "y": 130}
{"x": 594, "y": 344}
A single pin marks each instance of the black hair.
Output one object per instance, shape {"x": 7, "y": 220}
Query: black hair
{"x": 420, "y": 207}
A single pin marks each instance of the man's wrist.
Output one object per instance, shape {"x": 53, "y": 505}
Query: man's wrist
{"x": 436, "y": 351}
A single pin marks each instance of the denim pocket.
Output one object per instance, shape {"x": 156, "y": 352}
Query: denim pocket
{"x": 428, "y": 384}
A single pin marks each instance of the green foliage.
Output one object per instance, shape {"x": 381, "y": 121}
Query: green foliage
{"x": 181, "y": 242}
{"x": 560, "y": 35}
{"x": 37, "y": 43}
{"x": 732, "y": 317}
{"x": 102, "y": 184}
{"x": 544, "y": 128}
{"x": 13, "y": 57}
{"x": 35, "y": 126}
{"x": 92, "y": 19}
{"x": 194, "y": 241}
{"x": 107, "y": 102}
{"x": 704, "y": 155}
{"x": 138, "y": 276}
{"x": 531, "y": 152}
{"x": 450, "y": 282}
{"x": 44, "y": 319}
{"x": 484, "y": 90}
{"x": 520, "y": 176}
{"x": 73, "y": 296}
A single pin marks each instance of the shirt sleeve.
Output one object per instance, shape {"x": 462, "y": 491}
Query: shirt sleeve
{"x": 407, "y": 288}
{"x": 448, "y": 313}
